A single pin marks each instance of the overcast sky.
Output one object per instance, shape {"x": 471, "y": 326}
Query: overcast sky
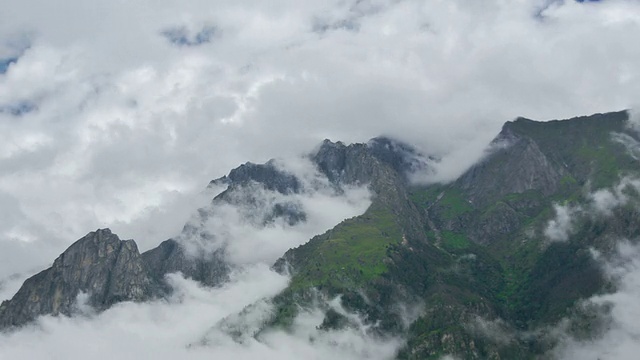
{"x": 118, "y": 113}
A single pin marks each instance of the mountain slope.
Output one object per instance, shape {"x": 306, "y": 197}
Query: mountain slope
{"x": 481, "y": 251}
{"x": 490, "y": 259}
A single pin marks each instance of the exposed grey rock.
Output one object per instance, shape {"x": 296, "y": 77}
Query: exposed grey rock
{"x": 516, "y": 168}
{"x": 402, "y": 157}
{"x": 339, "y": 162}
{"x": 246, "y": 182}
{"x": 267, "y": 174}
{"x": 243, "y": 185}
{"x": 331, "y": 159}
{"x": 171, "y": 257}
{"x": 108, "y": 269}
{"x": 383, "y": 164}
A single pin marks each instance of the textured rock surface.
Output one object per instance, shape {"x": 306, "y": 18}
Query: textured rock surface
{"x": 515, "y": 168}
{"x": 267, "y": 174}
{"x": 376, "y": 165}
{"x": 348, "y": 165}
{"x": 402, "y": 157}
{"x": 170, "y": 257}
{"x": 107, "y": 269}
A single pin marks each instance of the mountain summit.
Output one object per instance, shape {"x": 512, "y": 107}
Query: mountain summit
{"x": 101, "y": 265}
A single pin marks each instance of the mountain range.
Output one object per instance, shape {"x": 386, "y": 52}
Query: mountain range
{"x": 480, "y": 267}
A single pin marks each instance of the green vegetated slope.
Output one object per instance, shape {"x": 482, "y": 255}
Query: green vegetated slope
{"x": 352, "y": 254}
{"x": 474, "y": 251}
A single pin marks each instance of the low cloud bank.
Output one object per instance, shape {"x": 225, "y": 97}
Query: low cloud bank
{"x": 560, "y": 227}
{"x": 174, "y": 328}
{"x": 601, "y": 203}
{"x": 247, "y": 226}
{"x": 619, "y": 340}
{"x": 187, "y": 325}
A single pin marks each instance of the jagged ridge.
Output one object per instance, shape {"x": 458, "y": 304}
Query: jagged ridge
{"x": 111, "y": 270}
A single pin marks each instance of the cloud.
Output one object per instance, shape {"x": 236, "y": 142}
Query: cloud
{"x": 10, "y": 285}
{"x": 620, "y": 338}
{"x": 448, "y": 357}
{"x": 5, "y": 63}
{"x": 172, "y": 328}
{"x": 125, "y": 129}
{"x": 181, "y": 36}
{"x": 634, "y": 118}
{"x": 12, "y": 46}
{"x": 632, "y": 145}
{"x": 186, "y": 325}
{"x": 615, "y": 334}
{"x": 560, "y": 227}
{"x": 244, "y": 222}
{"x": 497, "y": 331}
{"x": 123, "y": 123}
{"x": 601, "y": 203}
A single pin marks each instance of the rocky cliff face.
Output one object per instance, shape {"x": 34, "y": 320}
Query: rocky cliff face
{"x": 517, "y": 165}
{"x": 171, "y": 257}
{"x": 385, "y": 165}
{"x": 107, "y": 269}
{"x": 361, "y": 163}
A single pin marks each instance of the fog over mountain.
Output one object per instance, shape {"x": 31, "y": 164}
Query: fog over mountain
{"x": 118, "y": 115}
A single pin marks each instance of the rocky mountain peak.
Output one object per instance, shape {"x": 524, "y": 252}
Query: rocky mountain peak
{"x": 402, "y": 157}
{"x": 331, "y": 159}
{"x": 267, "y": 174}
{"x": 356, "y": 163}
{"x": 517, "y": 165}
{"x": 107, "y": 269}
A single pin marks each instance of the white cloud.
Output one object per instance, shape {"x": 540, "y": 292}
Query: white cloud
{"x": 617, "y": 309}
{"x": 124, "y": 123}
{"x": 561, "y": 227}
{"x": 620, "y": 338}
{"x": 604, "y": 201}
{"x": 634, "y": 118}
{"x": 631, "y": 144}
{"x": 497, "y": 331}
{"x": 244, "y": 226}
{"x": 10, "y": 285}
{"x": 448, "y": 357}
{"x": 601, "y": 203}
{"x": 126, "y": 129}
{"x": 174, "y": 329}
